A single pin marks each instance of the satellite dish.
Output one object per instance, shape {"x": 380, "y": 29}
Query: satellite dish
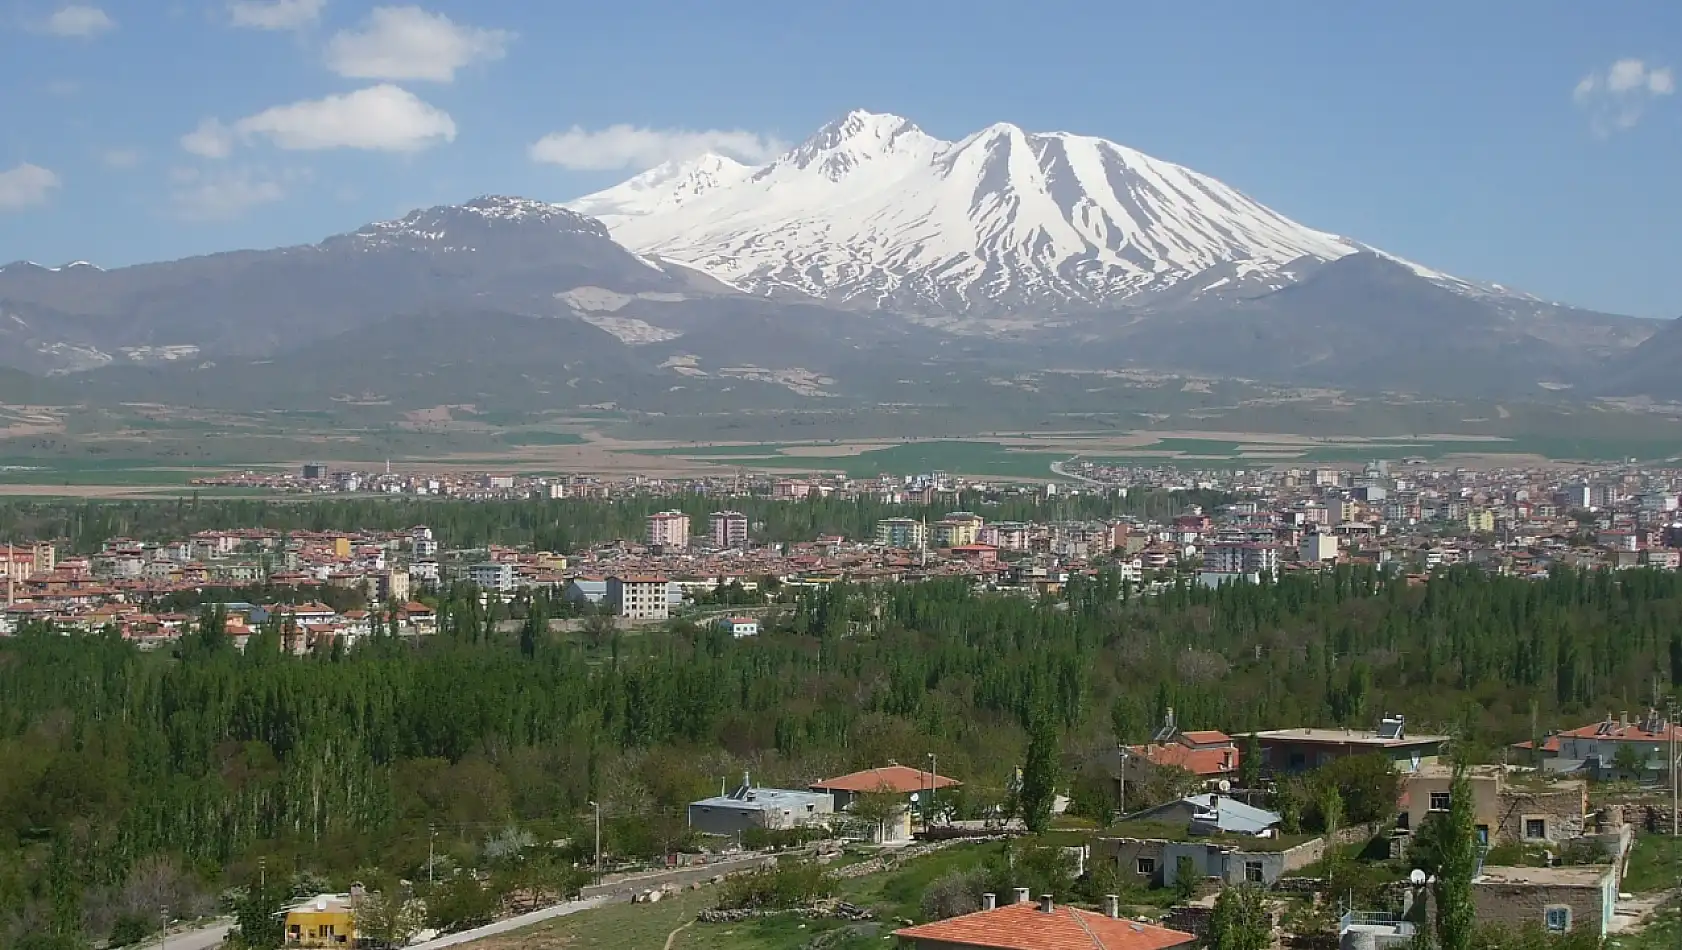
{"x": 1417, "y": 877}
{"x": 1224, "y": 785}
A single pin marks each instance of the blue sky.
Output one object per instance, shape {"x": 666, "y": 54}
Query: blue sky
{"x": 1533, "y": 143}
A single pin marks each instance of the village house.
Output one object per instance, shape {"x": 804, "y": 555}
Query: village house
{"x": 750, "y": 806}
{"x": 1299, "y": 750}
{"x": 1507, "y": 807}
{"x": 1041, "y": 925}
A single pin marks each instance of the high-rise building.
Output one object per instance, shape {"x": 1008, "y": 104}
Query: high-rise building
{"x": 669, "y": 531}
{"x": 901, "y": 533}
{"x": 729, "y": 529}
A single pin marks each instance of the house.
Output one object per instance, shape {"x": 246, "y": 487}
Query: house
{"x": 492, "y": 575}
{"x": 1041, "y": 925}
{"x": 1596, "y": 747}
{"x": 1208, "y": 754}
{"x": 1298, "y": 750}
{"x": 325, "y": 921}
{"x": 739, "y": 627}
{"x": 1211, "y": 814}
{"x": 1557, "y": 899}
{"x": 1507, "y": 807}
{"x": 773, "y": 809}
{"x": 917, "y": 789}
{"x": 639, "y": 598}
{"x": 1151, "y": 853}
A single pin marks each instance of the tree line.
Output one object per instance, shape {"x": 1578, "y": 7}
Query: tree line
{"x": 124, "y": 767}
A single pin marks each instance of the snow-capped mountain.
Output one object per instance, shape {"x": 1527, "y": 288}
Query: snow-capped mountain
{"x": 873, "y": 211}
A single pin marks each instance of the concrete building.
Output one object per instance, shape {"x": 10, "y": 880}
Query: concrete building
{"x": 1298, "y": 750}
{"x": 325, "y": 921}
{"x": 1594, "y": 748}
{"x": 739, "y": 627}
{"x": 1240, "y": 558}
{"x": 958, "y": 529}
{"x": 639, "y": 598}
{"x": 668, "y": 531}
{"x": 492, "y": 575}
{"x": 905, "y": 533}
{"x": 1317, "y": 548}
{"x": 773, "y": 809}
{"x": 1152, "y": 858}
{"x": 728, "y": 529}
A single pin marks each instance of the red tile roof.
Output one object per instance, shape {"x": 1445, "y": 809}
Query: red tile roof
{"x": 1026, "y": 927}
{"x": 1214, "y": 761}
{"x": 1618, "y": 731}
{"x": 894, "y": 778}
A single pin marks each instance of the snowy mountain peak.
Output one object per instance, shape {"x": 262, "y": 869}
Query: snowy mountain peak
{"x": 467, "y": 226}
{"x": 872, "y": 211}
{"x": 665, "y": 187}
{"x": 858, "y": 139}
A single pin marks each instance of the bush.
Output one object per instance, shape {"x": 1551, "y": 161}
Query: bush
{"x": 762, "y": 839}
{"x": 788, "y": 885}
{"x": 130, "y": 928}
{"x": 955, "y": 894}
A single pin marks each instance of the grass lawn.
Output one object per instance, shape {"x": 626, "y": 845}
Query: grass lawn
{"x": 614, "y": 927}
{"x": 1653, "y": 864}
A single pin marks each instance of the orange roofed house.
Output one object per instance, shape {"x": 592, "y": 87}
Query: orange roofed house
{"x": 912, "y": 785}
{"x": 1208, "y": 754}
{"x": 1041, "y": 925}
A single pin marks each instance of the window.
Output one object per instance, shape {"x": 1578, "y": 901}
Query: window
{"x": 1146, "y": 865}
{"x": 1439, "y": 801}
{"x": 1558, "y": 919}
{"x": 1253, "y": 872}
{"x": 1535, "y": 828}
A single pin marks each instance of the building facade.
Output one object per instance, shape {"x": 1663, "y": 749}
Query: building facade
{"x": 668, "y": 531}
{"x": 639, "y": 598}
{"x": 728, "y": 529}
{"x": 901, "y": 533}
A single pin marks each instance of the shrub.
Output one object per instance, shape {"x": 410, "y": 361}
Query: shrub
{"x": 790, "y": 884}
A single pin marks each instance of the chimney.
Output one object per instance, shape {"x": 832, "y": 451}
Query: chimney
{"x": 989, "y": 901}
{"x": 1045, "y": 904}
{"x": 1112, "y": 906}
{"x": 1022, "y": 895}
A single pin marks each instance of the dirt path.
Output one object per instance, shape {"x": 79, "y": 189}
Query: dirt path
{"x": 673, "y": 935}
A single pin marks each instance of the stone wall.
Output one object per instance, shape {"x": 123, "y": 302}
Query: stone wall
{"x": 1561, "y": 810}
{"x": 1515, "y": 906}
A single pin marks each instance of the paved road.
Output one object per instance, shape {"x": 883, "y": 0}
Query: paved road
{"x": 201, "y": 939}
{"x": 512, "y": 923}
{"x": 1058, "y": 468}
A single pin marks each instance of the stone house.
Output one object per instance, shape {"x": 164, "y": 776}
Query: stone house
{"x": 1508, "y": 807}
{"x": 1559, "y": 899}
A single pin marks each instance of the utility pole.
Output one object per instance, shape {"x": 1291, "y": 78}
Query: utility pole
{"x": 431, "y": 837}
{"x": 163, "y": 936}
{"x": 933, "y": 762}
{"x": 263, "y": 875}
{"x": 598, "y": 809}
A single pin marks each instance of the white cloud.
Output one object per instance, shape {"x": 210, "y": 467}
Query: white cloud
{"x": 1616, "y": 98}
{"x": 77, "y": 20}
{"x": 275, "y": 14}
{"x": 410, "y": 43}
{"x": 626, "y": 146}
{"x": 221, "y": 195}
{"x": 26, "y": 185}
{"x": 380, "y": 118}
{"x": 121, "y": 157}
{"x": 211, "y": 139}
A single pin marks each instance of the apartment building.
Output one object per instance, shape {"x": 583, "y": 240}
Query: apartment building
{"x": 728, "y": 529}
{"x": 668, "y": 531}
{"x": 639, "y": 598}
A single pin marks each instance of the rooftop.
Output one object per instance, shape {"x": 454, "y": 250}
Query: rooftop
{"x": 1025, "y": 927}
{"x": 900, "y": 779}
{"x": 1364, "y": 737}
{"x": 1582, "y": 875}
{"x": 765, "y": 799}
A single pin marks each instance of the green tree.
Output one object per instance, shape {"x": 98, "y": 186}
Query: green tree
{"x": 260, "y": 917}
{"x": 1249, "y": 763}
{"x": 1240, "y": 920}
{"x": 1039, "y": 774}
{"x": 1185, "y": 878}
{"x": 875, "y": 810}
{"x": 1629, "y": 760}
{"x": 1457, "y": 865}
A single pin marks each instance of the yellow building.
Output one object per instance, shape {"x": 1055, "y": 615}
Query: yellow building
{"x": 1480, "y": 521}
{"x": 341, "y": 547}
{"x": 325, "y": 921}
{"x": 550, "y": 561}
{"x": 957, "y": 529}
